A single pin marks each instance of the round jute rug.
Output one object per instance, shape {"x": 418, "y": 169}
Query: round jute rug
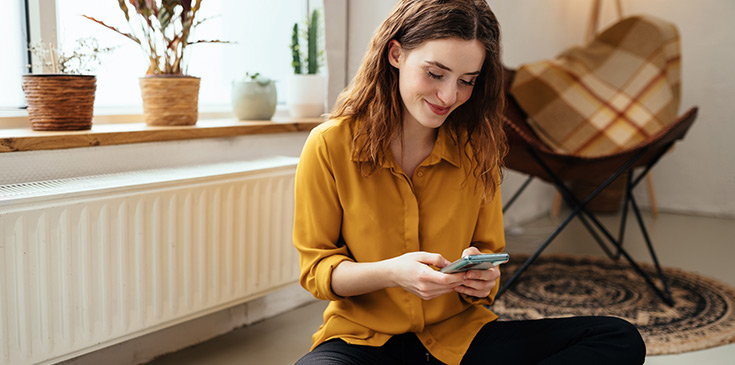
{"x": 560, "y": 286}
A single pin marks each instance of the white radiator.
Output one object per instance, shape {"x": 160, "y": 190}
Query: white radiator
{"x": 93, "y": 261}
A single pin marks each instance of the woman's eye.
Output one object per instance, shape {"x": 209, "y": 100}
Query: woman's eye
{"x": 468, "y": 83}
{"x": 433, "y": 75}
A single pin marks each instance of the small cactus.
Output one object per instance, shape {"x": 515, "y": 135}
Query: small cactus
{"x": 295, "y": 50}
{"x": 311, "y": 36}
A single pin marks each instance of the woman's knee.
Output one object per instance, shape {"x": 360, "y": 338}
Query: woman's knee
{"x": 338, "y": 352}
{"x": 625, "y": 336}
{"x": 323, "y": 358}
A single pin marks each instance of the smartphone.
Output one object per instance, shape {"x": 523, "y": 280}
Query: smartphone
{"x": 476, "y": 262}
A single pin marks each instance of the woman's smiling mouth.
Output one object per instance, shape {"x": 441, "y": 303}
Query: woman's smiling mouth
{"x": 437, "y": 109}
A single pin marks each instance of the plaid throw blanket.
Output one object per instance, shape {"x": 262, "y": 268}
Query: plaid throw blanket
{"x": 606, "y": 97}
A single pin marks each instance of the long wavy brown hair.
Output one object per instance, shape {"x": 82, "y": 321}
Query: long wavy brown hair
{"x": 373, "y": 101}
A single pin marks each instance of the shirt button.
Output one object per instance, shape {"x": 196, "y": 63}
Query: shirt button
{"x": 429, "y": 341}
{"x": 420, "y": 173}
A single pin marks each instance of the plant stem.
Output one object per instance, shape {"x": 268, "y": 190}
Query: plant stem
{"x": 54, "y": 64}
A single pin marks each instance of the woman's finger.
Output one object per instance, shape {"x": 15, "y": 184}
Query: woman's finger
{"x": 490, "y": 274}
{"x": 472, "y": 250}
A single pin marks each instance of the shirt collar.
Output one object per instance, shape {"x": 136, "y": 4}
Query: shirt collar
{"x": 445, "y": 148}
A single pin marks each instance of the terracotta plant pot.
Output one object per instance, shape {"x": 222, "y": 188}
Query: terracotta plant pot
{"x": 60, "y": 102}
{"x": 170, "y": 100}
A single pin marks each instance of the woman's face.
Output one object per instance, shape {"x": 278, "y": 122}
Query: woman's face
{"x": 436, "y": 77}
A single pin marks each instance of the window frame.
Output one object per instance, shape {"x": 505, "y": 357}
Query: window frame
{"x": 41, "y": 22}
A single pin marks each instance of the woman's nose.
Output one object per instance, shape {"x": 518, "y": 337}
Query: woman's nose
{"x": 447, "y": 93}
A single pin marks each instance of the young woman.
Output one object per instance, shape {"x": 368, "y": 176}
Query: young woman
{"x": 403, "y": 179}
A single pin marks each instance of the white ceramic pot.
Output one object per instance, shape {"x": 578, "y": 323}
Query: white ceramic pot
{"x": 306, "y": 96}
{"x": 254, "y": 99}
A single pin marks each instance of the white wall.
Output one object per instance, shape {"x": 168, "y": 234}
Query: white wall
{"x": 698, "y": 176}
{"x": 364, "y": 17}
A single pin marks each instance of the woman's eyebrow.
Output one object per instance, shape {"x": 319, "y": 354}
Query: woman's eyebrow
{"x": 443, "y": 67}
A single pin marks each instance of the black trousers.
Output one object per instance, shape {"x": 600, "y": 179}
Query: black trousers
{"x": 575, "y": 340}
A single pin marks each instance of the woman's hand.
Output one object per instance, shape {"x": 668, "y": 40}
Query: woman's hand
{"x": 478, "y": 283}
{"x": 412, "y": 272}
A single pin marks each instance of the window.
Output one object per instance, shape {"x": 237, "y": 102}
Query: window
{"x": 15, "y": 55}
{"x": 260, "y": 32}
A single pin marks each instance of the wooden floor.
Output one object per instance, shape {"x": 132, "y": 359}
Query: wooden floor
{"x": 700, "y": 244}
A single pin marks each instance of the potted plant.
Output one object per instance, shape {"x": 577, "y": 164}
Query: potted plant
{"x": 63, "y": 97}
{"x": 254, "y": 98}
{"x": 162, "y": 29}
{"x": 306, "y": 96}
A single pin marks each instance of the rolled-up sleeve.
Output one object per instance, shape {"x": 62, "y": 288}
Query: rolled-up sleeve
{"x": 317, "y": 218}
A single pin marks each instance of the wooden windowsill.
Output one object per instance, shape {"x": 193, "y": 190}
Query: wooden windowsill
{"x": 16, "y": 140}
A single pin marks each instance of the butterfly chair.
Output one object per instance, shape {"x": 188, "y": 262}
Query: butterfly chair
{"x": 529, "y": 155}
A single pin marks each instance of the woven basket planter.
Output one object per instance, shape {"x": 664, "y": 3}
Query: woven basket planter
{"x": 60, "y": 102}
{"x": 170, "y": 100}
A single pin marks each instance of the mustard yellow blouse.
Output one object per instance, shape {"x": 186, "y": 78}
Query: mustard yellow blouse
{"x": 342, "y": 215}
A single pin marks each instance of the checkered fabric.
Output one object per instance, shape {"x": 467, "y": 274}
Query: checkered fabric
{"x": 608, "y": 96}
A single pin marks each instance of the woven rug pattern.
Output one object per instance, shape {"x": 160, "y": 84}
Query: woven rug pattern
{"x": 560, "y": 286}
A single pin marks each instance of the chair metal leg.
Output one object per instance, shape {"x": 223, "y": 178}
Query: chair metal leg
{"x": 539, "y": 250}
{"x": 624, "y": 217}
{"x": 571, "y": 202}
{"x": 663, "y": 292}
{"x": 579, "y": 209}
{"x": 666, "y": 293}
